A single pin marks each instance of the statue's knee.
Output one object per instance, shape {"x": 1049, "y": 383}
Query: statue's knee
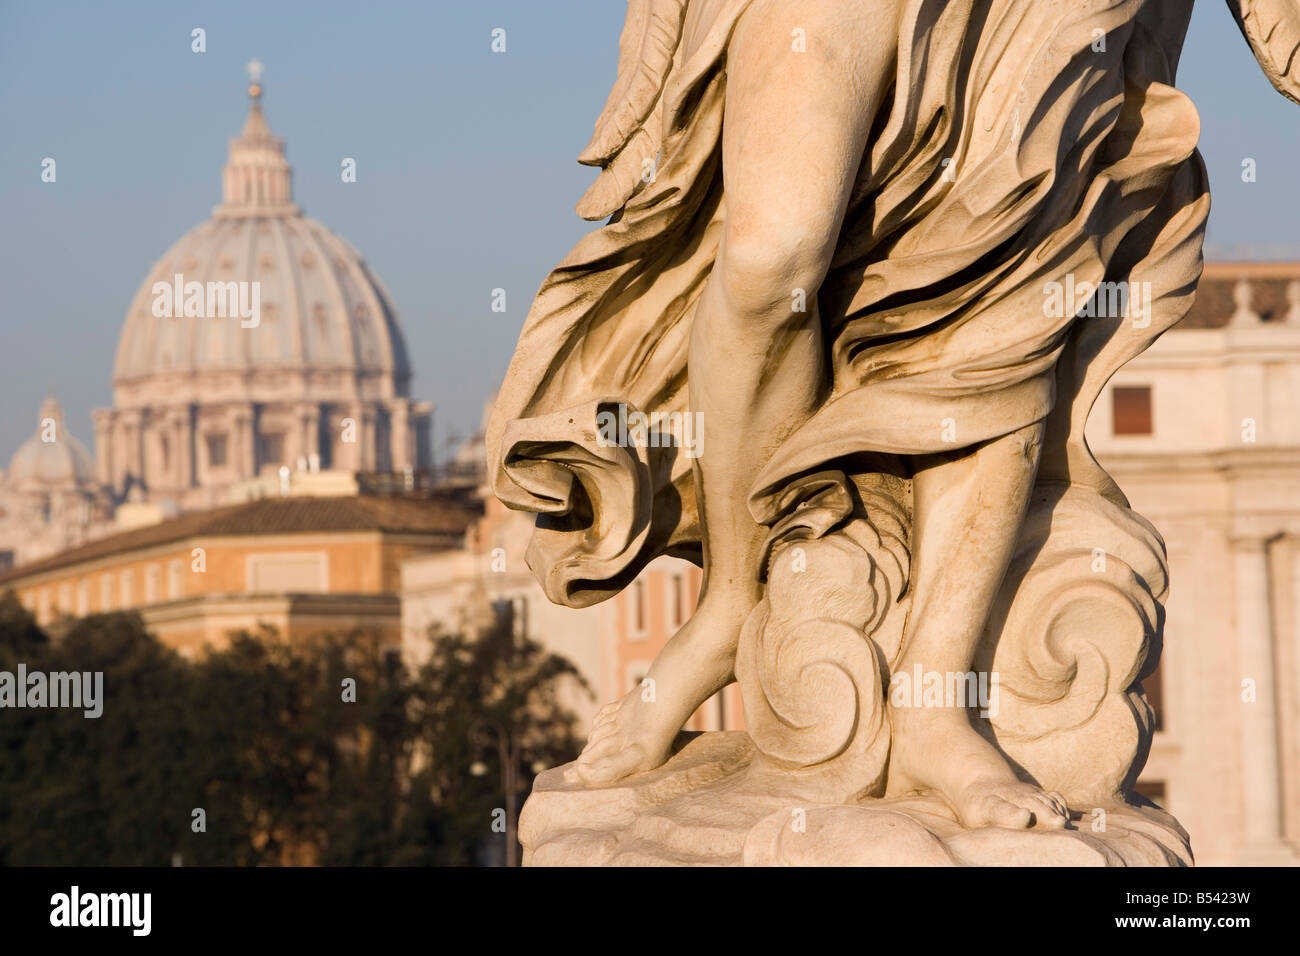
{"x": 770, "y": 274}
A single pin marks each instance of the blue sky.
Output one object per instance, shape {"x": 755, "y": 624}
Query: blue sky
{"x": 466, "y": 171}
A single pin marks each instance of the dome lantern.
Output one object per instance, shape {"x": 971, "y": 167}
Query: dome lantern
{"x": 257, "y": 179}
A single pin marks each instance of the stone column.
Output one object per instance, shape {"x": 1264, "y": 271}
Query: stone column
{"x": 185, "y": 447}
{"x": 234, "y": 442}
{"x": 1291, "y": 825}
{"x": 171, "y": 428}
{"x": 350, "y": 451}
{"x": 175, "y": 450}
{"x": 103, "y": 418}
{"x": 244, "y": 447}
{"x": 118, "y": 439}
{"x": 363, "y": 458}
{"x": 291, "y": 438}
{"x": 400, "y": 437}
{"x": 133, "y": 445}
{"x": 1260, "y": 777}
{"x": 309, "y": 422}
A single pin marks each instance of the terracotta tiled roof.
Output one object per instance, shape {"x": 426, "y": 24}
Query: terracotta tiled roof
{"x": 434, "y": 516}
{"x": 1214, "y": 304}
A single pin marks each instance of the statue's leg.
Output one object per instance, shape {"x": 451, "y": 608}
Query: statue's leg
{"x": 968, "y": 513}
{"x": 797, "y": 120}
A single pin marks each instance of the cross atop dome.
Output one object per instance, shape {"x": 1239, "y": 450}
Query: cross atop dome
{"x": 257, "y": 176}
{"x": 255, "y": 69}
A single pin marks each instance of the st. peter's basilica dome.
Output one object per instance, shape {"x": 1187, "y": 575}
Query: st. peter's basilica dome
{"x": 312, "y": 373}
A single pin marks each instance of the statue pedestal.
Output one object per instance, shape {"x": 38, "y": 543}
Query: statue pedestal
{"x": 712, "y": 804}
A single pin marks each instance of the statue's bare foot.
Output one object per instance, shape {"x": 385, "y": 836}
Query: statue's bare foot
{"x": 938, "y": 749}
{"x": 636, "y": 733}
{"x": 1008, "y": 803}
{"x": 628, "y": 736}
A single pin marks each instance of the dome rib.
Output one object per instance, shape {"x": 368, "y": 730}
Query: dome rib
{"x": 342, "y": 277}
{"x": 388, "y": 358}
{"x": 292, "y": 318}
{"x": 347, "y": 338}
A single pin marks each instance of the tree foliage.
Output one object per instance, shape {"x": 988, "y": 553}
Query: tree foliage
{"x": 258, "y": 736}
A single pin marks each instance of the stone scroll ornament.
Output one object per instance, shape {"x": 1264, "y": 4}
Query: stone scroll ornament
{"x": 838, "y": 234}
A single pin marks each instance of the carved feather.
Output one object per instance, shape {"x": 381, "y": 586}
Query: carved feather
{"x": 621, "y": 179}
{"x": 1273, "y": 29}
{"x": 629, "y": 57}
{"x": 628, "y": 131}
{"x": 650, "y": 36}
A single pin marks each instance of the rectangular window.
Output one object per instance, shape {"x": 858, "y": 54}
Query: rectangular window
{"x": 105, "y": 593}
{"x": 512, "y": 613}
{"x": 127, "y": 580}
{"x": 290, "y": 573}
{"x": 270, "y": 450}
{"x": 216, "y": 450}
{"x": 638, "y": 610}
{"x": 678, "y": 597}
{"x": 152, "y": 584}
{"x": 175, "y": 578}
{"x": 1131, "y": 409}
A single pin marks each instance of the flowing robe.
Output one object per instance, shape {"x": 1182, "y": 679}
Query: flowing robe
{"x": 1028, "y": 146}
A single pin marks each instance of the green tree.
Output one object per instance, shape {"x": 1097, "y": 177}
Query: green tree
{"x": 496, "y": 679}
{"x": 113, "y": 790}
{"x": 261, "y": 737}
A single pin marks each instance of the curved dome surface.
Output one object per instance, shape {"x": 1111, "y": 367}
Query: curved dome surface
{"x": 322, "y": 309}
{"x": 59, "y": 462}
{"x": 320, "y": 305}
{"x": 205, "y": 401}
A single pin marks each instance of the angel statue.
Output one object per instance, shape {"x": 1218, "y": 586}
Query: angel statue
{"x": 833, "y": 231}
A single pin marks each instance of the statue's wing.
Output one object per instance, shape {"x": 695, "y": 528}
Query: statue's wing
{"x": 626, "y": 134}
{"x": 1273, "y": 29}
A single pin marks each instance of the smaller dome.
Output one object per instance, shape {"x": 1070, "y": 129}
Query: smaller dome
{"x": 51, "y": 458}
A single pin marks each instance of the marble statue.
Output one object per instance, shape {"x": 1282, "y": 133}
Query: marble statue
{"x": 882, "y": 255}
